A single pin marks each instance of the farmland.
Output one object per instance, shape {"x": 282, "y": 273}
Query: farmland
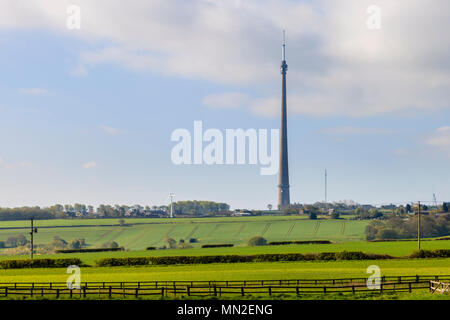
{"x": 138, "y": 234}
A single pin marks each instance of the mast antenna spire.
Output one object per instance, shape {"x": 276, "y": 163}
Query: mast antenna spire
{"x": 283, "y": 53}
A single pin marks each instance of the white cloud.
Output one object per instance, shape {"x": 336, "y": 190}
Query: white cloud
{"x": 440, "y": 139}
{"x": 33, "y": 91}
{"x": 90, "y": 165}
{"x": 227, "y": 100}
{"x": 110, "y": 130}
{"x": 336, "y": 65}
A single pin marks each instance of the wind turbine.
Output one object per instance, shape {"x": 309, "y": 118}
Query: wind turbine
{"x": 171, "y": 195}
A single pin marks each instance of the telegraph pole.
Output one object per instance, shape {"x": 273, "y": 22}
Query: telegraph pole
{"x": 418, "y": 227}
{"x": 33, "y": 230}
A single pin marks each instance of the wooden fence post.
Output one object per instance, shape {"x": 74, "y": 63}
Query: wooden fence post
{"x": 270, "y": 291}
{"x": 84, "y": 291}
{"x": 409, "y": 287}
{"x": 242, "y": 291}
{"x": 188, "y": 289}
{"x": 215, "y": 291}
{"x": 57, "y": 293}
{"x": 110, "y": 292}
{"x": 162, "y": 292}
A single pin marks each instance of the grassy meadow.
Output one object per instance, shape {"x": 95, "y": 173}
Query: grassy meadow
{"x": 139, "y": 234}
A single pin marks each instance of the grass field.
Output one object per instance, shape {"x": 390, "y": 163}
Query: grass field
{"x": 142, "y": 233}
{"x": 401, "y": 248}
{"x": 236, "y": 271}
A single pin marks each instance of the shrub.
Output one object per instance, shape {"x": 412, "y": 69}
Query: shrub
{"x": 441, "y": 253}
{"x": 256, "y": 241}
{"x": 150, "y": 248}
{"x": 39, "y": 263}
{"x": 2, "y": 244}
{"x": 345, "y": 255}
{"x": 312, "y": 216}
{"x": 193, "y": 240}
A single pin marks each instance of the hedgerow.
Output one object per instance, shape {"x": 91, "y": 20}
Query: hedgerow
{"x": 223, "y": 245}
{"x": 440, "y": 253}
{"x": 39, "y": 263}
{"x": 170, "y": 260}
{"x": 88, "y": 250}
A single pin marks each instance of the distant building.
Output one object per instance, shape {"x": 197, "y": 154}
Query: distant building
{"x": 242, "y": 212}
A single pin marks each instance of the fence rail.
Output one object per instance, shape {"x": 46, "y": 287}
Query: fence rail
{"x": 221, "y": 288}
{"x": 440, "y": 287}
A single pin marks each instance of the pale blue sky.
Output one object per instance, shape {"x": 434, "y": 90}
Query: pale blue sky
{"x": 86, "y": 115}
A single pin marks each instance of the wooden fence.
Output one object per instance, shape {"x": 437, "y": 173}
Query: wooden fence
{"x": 217, "y": 288}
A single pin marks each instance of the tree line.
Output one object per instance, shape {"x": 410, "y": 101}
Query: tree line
{"x": 396, "y": 227}
{"x": 58, "y": 211}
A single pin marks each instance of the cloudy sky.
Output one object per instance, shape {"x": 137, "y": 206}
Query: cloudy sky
{"x": 86, "y": 115}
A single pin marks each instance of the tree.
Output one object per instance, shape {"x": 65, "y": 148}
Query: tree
{"x": 445, "y": 207}
{"x": 171, "y": 243}
{"x": 16, "y": 241}
{"x": 110, "y": 244}
{"x": 387, "y": 234}
{"x": 256, "y": 241}
{"x": 269, "y": 206}
{"x": 58, "y": 243}
{"x": 77, "y": 243}
{"x": 312, "y": 216}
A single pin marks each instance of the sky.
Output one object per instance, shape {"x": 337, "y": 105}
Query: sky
{"x": 86, "y": 115}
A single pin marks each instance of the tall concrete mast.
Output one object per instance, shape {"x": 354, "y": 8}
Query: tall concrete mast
{"x": 283, "y": 174}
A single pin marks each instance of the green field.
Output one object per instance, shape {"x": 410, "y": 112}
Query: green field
{"x": 142, "y": 233}
{"x": 398, "y": 249}
{"x": 236, "y": 271}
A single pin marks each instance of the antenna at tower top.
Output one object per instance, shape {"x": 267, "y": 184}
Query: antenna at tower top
{"x": 283, "y": 51}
